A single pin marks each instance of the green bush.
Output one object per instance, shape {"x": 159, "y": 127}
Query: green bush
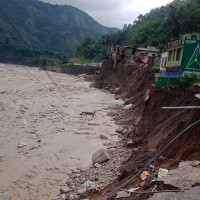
{"x": 44, "y": 64}
{"x": 155, "y": 68}
{"x": 190, "y": 79}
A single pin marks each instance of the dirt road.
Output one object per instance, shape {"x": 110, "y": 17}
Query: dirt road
{"x": 42, "y": 120}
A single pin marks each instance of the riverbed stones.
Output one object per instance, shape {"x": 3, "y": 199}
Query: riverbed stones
{"x": 100, "y": 156}
{"x": 64, "y": 189}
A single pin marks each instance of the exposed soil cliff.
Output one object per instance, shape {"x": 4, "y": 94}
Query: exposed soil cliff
{"x": 149, "y": 126}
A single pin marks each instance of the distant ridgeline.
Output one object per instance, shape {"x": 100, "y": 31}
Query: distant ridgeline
{"x": 53, "y": 30}
{"x": 155, "y": 28}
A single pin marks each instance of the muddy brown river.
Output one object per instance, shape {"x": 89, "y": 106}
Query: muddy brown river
{"x": 49, "y": 129}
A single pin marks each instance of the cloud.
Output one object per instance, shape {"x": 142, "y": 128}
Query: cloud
{"x": 113, "y": 13}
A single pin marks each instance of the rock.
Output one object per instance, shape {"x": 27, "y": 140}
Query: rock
{"x": 57, "y": 198}
{"x": 22, "y": 110}
{"x": 115, "y": 106}
{"x": 73, "y": 197}
{"x": 124, "y": 132}
{"x": 103, "y": 137}
{"x": 63, "y": 196}
{"x": 77, "y": 175}
{"x": 129, "y": 106}
{"x": 116, "y": 90}
{"x": 110, "y": 114}
{"x": 21, "y": 145}
{"x": 119, "y": 129}
{"x": 81, "y": 191}
{"x": 64, "y": 189}
{"x": 100, "y": 156}
{"x": 88, "y": 184}
{"x": 123, "y": 194}
{"x": 196, "y": 163}
{"x": 117, "y": 97}
{"x": 97, "y": 165}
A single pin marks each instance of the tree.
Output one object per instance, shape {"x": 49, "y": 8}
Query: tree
{"x": 65, "y": 59}
{"x": 44, "y": 63}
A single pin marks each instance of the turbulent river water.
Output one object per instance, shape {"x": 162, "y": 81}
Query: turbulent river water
{"x": 34, "y": 114}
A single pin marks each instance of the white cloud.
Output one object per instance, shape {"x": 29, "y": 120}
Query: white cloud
{"x": 145, "y": 6}
{"x": 113, "y": 13}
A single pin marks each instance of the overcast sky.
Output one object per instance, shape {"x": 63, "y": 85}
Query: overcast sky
{"x": 113, "y": 13}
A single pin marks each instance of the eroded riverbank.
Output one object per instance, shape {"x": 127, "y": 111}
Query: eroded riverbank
{"x": 46, "y": 123}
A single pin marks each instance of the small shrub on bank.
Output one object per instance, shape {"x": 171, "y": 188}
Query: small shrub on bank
{"x": 155, "y": 68}
{"x": 190, "y": 79}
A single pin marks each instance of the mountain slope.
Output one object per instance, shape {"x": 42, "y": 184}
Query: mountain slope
{"x": 46, "y": 26}
{"x": 155, "y": 28}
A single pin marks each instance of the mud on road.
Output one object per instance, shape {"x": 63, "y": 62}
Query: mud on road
{"x": 42, "y": 121}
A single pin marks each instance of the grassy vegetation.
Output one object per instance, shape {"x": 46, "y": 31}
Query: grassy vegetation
{"x": 155, "y": 68}
{"x": 190, "y": 79}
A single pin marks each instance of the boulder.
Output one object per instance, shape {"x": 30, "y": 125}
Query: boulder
{"x": 100, "y": 156}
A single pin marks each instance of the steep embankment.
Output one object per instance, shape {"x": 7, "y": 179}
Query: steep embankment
{"x": 150, "y": 127}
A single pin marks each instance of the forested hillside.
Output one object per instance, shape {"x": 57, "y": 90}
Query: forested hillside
{"x": 51, "y": 29}
{"x": 155, "y": 28}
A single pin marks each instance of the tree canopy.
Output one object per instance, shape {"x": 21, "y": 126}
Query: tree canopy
{"x": 157, "y": 27}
